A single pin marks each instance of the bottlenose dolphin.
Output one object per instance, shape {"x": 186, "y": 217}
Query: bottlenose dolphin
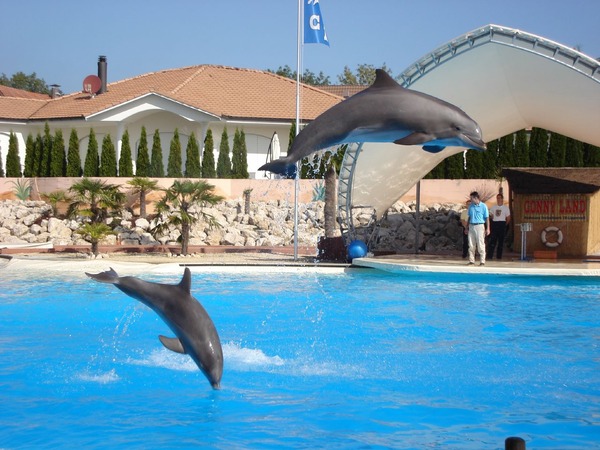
{"x": 195, "y": 331}
{"x": 384, "y": 112}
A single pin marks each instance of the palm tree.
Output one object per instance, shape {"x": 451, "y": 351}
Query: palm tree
{"x": 94, "y": 198}
{"x": 183, "y": 203}
{"x": 94, "y": 233}
{"x": 56, "y": 197}
{"x": 141, "y": 186}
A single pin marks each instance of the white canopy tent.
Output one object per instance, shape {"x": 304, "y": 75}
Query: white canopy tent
{"x": 506, "y": 80}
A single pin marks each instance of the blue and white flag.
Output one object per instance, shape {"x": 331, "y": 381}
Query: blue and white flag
{"x": 314, "y": 31}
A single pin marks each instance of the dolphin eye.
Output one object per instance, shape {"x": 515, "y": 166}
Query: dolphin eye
{"x": 456, "y": 127}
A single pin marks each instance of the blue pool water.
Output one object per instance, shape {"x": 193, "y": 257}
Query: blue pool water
{"x": 349, "y": 360}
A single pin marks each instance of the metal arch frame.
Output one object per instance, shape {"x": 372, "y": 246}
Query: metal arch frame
{"x": 491, "y": 33}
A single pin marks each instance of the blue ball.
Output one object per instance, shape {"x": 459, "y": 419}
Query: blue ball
{"x": 357, "y": 249}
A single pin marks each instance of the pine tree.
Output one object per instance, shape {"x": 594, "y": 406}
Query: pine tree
{"x": 91, "y": 166}
{"x": 174, "y": 161}
{"x": 208, "y": 157}
{"x": 13, "y": 162}
{"x": 557, "y": 150}
{"x": 192, "y": 158}
{"x": 538, "y": 148}
{"x": 521, "y": 149}
{"x": 58, "y": 160}
{"x": 591, "y": 155}
{"x": 142, "y": 165}
{"x": 574, "y": 153}
{"x": 108, "y": 158}
{"x": 125, "y": 161}
{"x": 224, "y": 162}
{"x": 46, "y": 155}
{"x": 28, "y": 170}
{"x": 73, "y": 157}
{"x": 239, "y": 161}
{"x": 157, "y": 169}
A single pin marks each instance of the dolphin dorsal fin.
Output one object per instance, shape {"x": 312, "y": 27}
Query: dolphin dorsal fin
{"x": 383, "y": 80}
{"x": 186, "y": 281}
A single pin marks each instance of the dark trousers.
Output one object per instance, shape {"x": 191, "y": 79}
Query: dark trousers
{"x": 496, "y": 238}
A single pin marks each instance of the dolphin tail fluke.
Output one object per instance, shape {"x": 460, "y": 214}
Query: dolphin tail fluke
{"x": 281, "y": 167}
{"x": 110, "y": 276}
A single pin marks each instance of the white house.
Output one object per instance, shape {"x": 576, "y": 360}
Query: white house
{"x": 191, "y": 99}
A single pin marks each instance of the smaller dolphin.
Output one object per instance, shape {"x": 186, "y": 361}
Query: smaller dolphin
{"x": 384, "y": 112}
{"x": 195, "y": 331}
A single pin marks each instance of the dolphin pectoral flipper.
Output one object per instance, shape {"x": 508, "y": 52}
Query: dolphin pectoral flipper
{"x": 173, "y": 344}
{"x": 414, "y": 138}
{"x": 433, "y": 148}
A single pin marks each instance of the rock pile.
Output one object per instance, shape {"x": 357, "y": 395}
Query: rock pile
{"x": 267, "y": 224}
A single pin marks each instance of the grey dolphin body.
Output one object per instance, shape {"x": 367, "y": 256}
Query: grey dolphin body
{"x": 385, "y": 112}
{"x": 195, "y": 331}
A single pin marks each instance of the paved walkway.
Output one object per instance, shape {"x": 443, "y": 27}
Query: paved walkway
{"x": 454, "y": 264}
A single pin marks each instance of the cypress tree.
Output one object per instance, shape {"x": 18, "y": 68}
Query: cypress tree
{"x": 521, "y": 149}
{"x": 474, "y": 163}
{"x": 46, "y": 155}
{"x": 292, "y": 136}
{"x": 58, "y": 160}
{"x": 538, "y": 148}
{"x": 192, "y": 158}
{"x": 28, "y": 170}
{"x": 157, "y": 169}
{"x": 91, "y": 166}
{"x": 208, "y": 157}
{"x": 506, "y": 152}
{"x": 574, "y": 153}
{"x": 108, "y": 158}
{"x": 13, "y": 162}
{"x": 125, "y": 161}
{"x": 239, "y": 161}
{"x": 142, "y": 165}
{"x": 73, "y": 157}
{"x": 557, "y": 150}
{"x": 489, "y": 160}
{"x": 224, "y": 162}
{"x": 174, "y": 161}
{"x": 455, "y": 167}
{"x": 37, "y": 160}
{"x": 591, "y": 155}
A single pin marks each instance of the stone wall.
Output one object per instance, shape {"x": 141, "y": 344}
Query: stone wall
{"x": 268, "y": 224}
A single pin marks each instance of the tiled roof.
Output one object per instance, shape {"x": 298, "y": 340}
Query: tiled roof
{"x": 6, "y": 91}
{"x": 343, "y": 90}
{"x": 227, "y": 92}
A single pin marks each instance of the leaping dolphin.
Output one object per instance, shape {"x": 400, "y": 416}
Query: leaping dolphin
{"x": 384, "y": 112}
{"x": 195, "y": 331}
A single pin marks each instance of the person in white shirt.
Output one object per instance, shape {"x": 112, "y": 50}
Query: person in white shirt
{"x": 499, "y": 220}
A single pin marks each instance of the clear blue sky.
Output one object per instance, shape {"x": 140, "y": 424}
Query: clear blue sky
{"x": 61, "y": 40}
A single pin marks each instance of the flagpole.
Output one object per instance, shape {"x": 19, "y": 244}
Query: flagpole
{"x": 296, "y": 178}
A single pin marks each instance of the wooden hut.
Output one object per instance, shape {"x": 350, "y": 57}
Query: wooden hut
{"x": 561, "y": 204}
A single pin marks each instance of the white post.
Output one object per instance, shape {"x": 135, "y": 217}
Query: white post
{"x": 297, "y": 177}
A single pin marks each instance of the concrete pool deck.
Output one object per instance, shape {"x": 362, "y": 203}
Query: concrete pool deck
{"x": 507, "y": 266}
{"x": 261, "y": 262}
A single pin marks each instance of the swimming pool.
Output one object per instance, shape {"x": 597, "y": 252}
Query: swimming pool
{"x": 361, "y": 359}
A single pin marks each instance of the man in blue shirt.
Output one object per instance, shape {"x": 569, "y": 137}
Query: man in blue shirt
{"x": 479, "y": 228}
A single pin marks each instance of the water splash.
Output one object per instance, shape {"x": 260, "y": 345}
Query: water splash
{"x": 101, "y": 378}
